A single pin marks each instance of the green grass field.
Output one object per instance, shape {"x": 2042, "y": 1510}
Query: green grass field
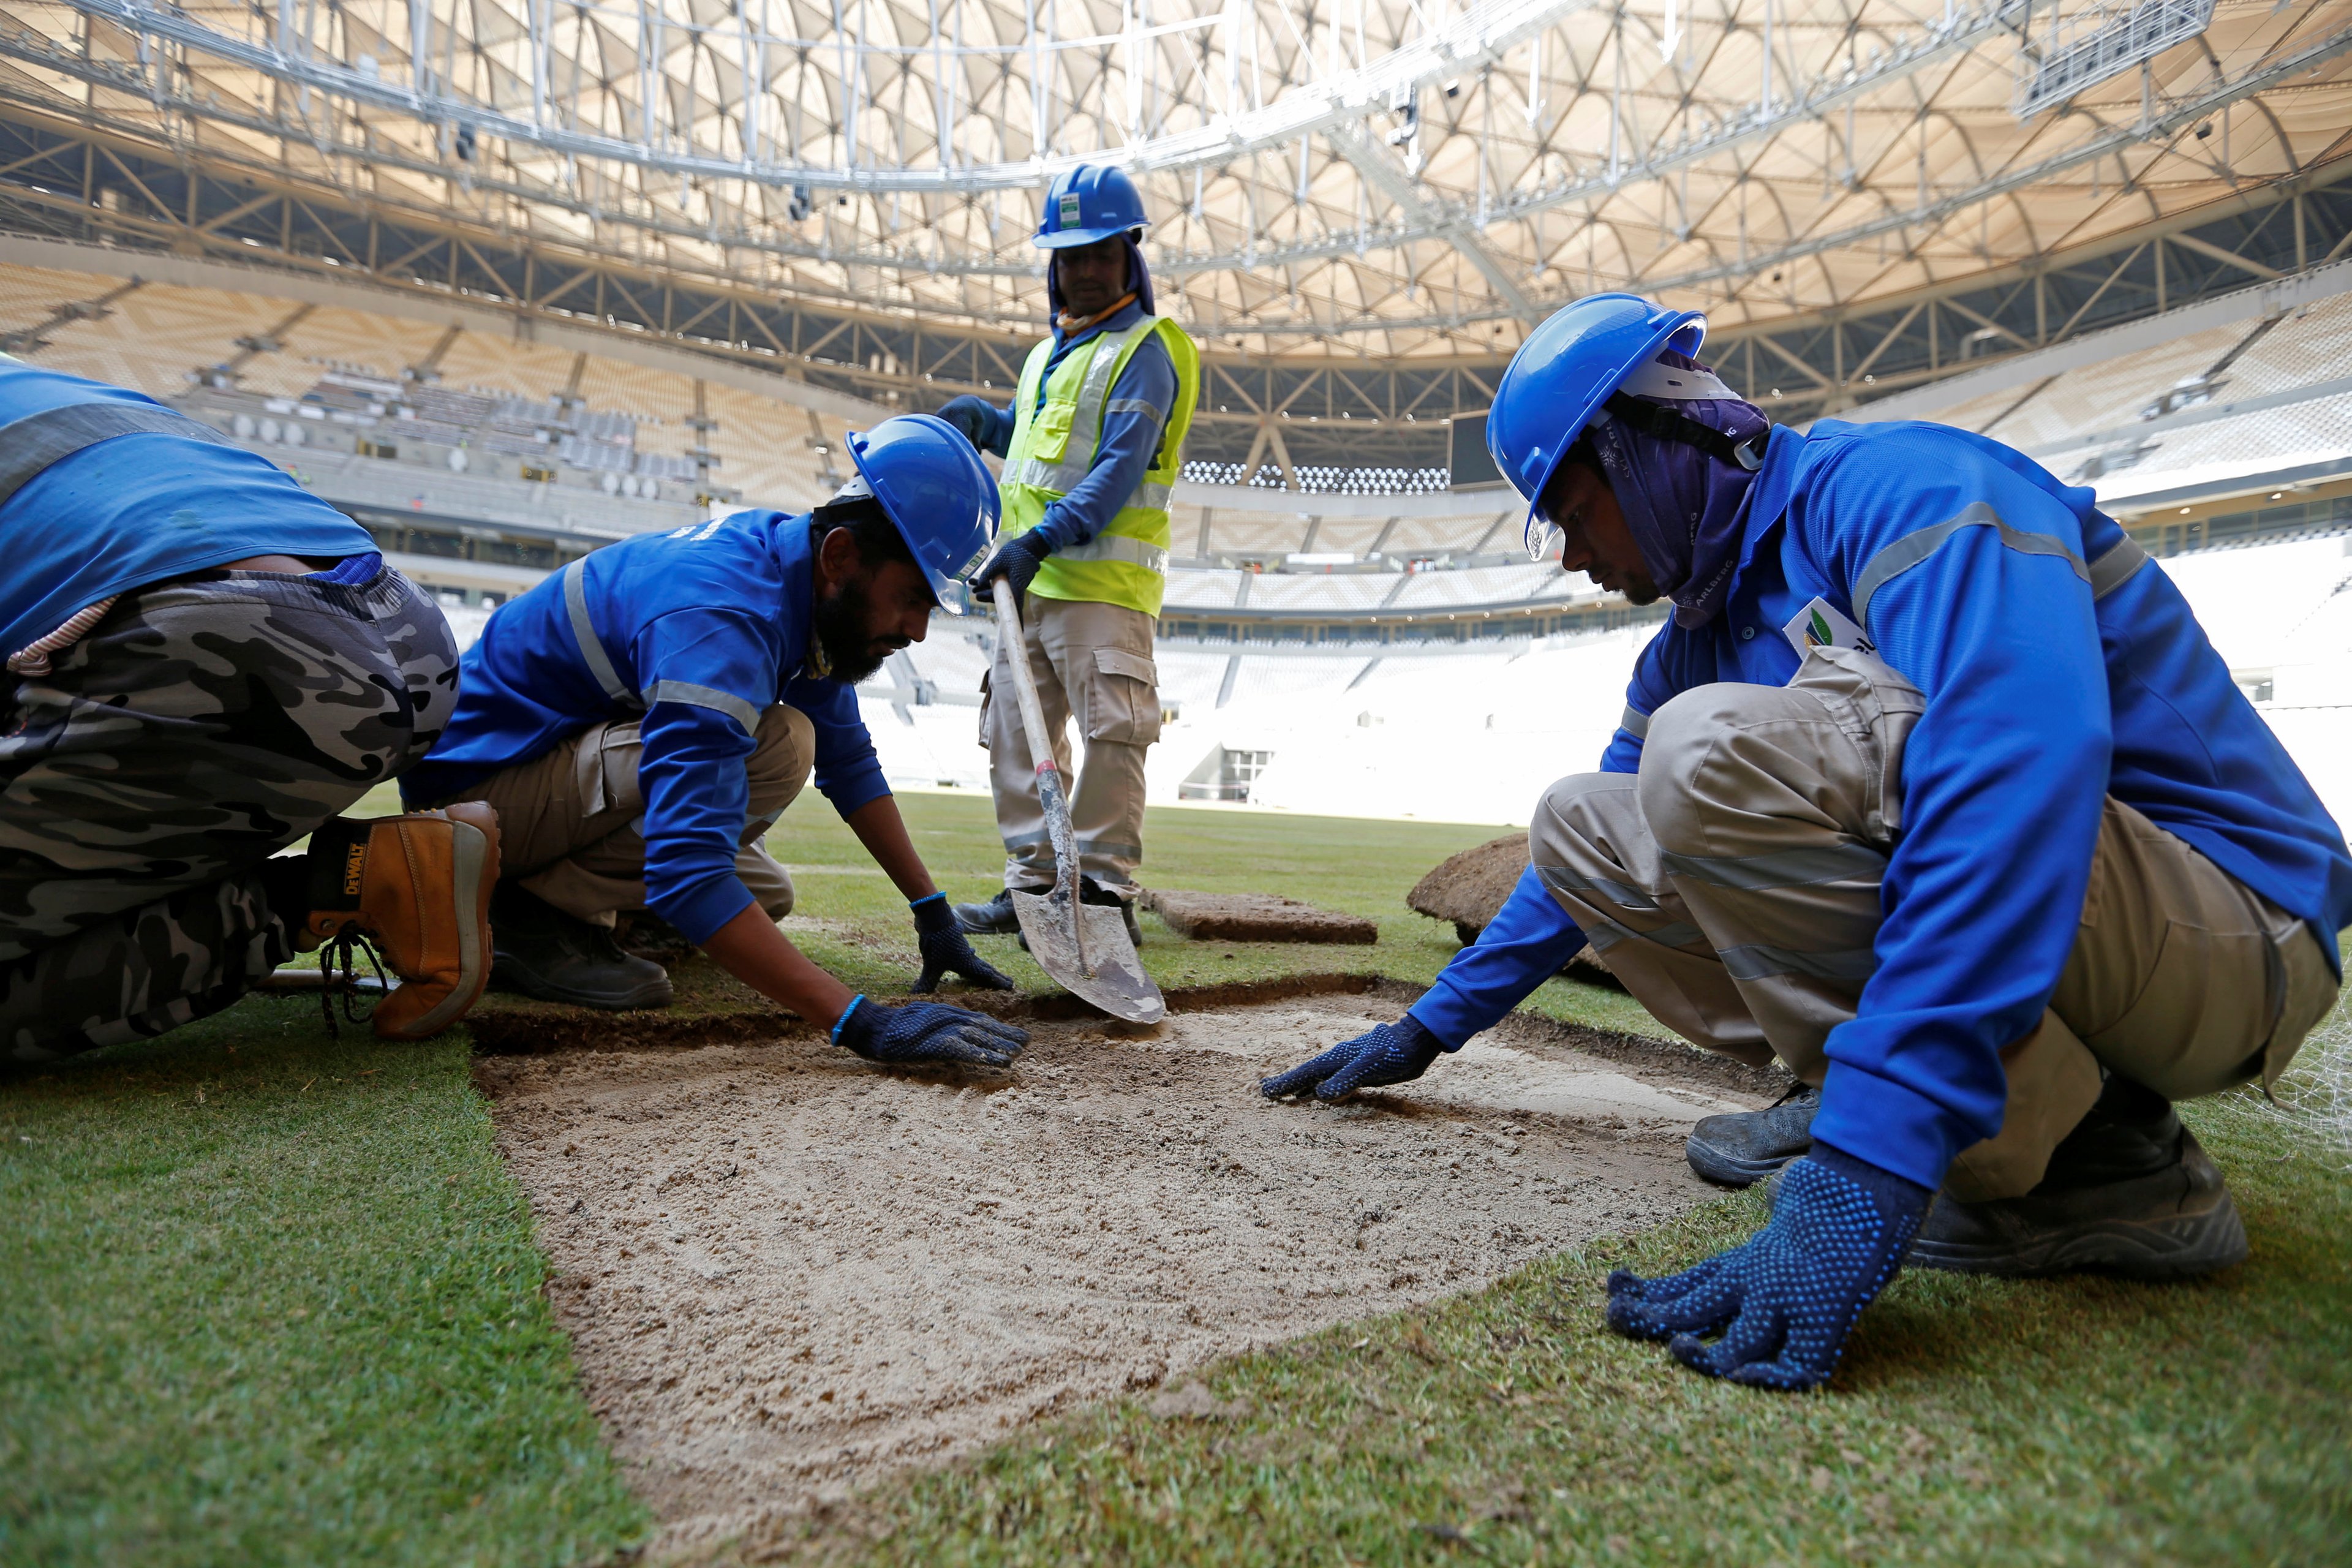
{"x": 274, "y": 1298}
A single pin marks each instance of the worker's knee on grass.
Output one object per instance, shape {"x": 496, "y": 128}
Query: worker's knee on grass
{"x": 771, "y": 884}
{"x": 783, "y": 753}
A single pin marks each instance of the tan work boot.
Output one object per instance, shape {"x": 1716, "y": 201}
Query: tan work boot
{"x": 418, "y": 888}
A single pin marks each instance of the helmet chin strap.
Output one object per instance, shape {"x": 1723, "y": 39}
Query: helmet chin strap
{"x": 1653, "y": 419}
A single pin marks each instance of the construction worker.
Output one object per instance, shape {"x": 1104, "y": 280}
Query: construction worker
{"x": 1091, "y": 445}
{"x": 1933, "y": 788}
{"x": 206, "y": 663}
{"x": 641, "y": 719}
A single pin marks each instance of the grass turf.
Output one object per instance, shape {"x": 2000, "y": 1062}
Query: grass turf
{"x": 275, "y": 1300}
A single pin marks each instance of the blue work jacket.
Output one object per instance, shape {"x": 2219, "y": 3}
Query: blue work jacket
{"x": 693, "y": 633}
{"x": 2060, "y": 665}
{"x": 134, "y": 507}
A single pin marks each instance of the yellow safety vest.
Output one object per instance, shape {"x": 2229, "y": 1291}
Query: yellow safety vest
{"x": 1053, "y": 447}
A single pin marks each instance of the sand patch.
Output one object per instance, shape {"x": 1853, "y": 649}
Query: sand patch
{"x": 787, "y": 1274}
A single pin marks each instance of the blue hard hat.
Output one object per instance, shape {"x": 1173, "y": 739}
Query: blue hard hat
{"x": 1091, "y": 201}
{"x": 1560, "y": 377}
{"x": 931, "y": 482}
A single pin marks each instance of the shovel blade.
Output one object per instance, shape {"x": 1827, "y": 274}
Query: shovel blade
{"x": 1118, "y": 985}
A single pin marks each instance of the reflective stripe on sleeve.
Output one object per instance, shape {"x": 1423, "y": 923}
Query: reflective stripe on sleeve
{"x": 2115, "y": 565}
{"x": 1151, "y": 411}
{"x": 583, "y": 632}
{"x": 692, "y": 696}
{"x": 1912, "y": 548}
{"x": 1634, "y": 723}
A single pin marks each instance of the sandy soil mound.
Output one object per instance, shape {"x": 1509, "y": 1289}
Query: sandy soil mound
{"x": 786, "y": 1274}
{"x": 1469, "y": 889}
{"x": 1254, "y": 917}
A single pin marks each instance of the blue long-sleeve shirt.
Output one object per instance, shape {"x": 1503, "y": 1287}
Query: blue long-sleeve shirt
{"x": 695, "y": 633}
{"x": 2054, "y": 675}
{"x": 1133, "y": 417}
{"x": 137, "y": 509}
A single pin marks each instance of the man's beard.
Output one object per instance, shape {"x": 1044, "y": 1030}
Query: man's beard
{"x": 1639, "y": 590}
{"x": 840, "y": 623}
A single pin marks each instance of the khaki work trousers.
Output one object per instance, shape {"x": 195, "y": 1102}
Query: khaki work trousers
{"x": 571, "y": 820}
{"x": 1091, "y": 662}
{"x": 1732, "y": 885}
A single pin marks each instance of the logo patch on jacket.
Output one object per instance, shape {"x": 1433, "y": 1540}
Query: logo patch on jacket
{"x": 1819, "y": 625}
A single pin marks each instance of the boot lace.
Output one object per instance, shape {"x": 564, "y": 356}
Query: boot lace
{"x": 343, "y": 949}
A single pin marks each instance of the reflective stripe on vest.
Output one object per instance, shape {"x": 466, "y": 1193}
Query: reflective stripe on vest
{"x": 1057, "y": 438}
{"x": 1085, "y": 416}
{"x": 1118, "y": 547}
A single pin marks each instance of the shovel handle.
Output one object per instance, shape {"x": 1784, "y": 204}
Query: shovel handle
{"x": 1050, "y": 792}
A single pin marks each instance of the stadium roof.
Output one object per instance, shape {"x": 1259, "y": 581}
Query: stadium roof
{"x": 1348, "y": 178}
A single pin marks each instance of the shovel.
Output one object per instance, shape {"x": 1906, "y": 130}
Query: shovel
{"x": 1084, "y": 947}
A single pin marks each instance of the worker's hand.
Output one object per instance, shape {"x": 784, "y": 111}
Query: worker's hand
{"x": 1015, "y": 560}
{"x": 1393, "y": 1053}
{"x": 1785, "y": 1301}
{"x": 946, "y": 950}
{"x": 927, "y": 1032}
{"x": 975, "y": 417}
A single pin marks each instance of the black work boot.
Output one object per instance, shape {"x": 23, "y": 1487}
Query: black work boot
{"x": 541, "y": 951}
{"x": 2128, "y": 1192}
{"x": 1745, "y": 1147}
{"x": 991, "y": 917}
{"x": 1093, "y": 892}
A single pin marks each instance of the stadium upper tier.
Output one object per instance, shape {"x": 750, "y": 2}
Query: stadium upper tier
{"x": 483, "y": 459}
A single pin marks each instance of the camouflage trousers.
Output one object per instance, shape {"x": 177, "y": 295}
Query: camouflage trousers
{"x": 202, "y": 726}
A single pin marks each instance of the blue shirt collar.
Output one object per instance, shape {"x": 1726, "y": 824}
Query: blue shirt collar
{"x": 1768, "y": 497}
{"x": 795, "y": 560}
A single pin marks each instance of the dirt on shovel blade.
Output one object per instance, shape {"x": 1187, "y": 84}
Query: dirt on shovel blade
{"x": 1110, "y": 976}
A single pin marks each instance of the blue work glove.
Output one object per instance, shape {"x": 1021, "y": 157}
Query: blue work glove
{"x": 975, "y": 417}
{"x": 946, "y": 950}
{"x": 927, "y": 1032}
{"x": 1016, "y": 559}
{"x": 1785, "y": 1299}
{"x": 1393, "y": 1053}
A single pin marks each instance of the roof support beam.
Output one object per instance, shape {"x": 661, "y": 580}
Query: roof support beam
{"x": 1382, "y": 172}
{"x": 1478, "y": 34}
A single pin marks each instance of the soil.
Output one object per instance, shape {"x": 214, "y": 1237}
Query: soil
{"x": 1254, "y": 917}
{"x": 1469, "y": 889}
{"x": 786, "y": 1273}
